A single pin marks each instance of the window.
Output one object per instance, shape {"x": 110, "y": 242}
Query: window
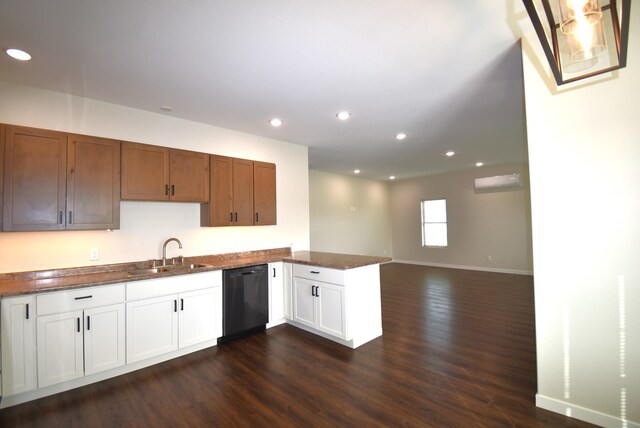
{"x": 434, "y": 223}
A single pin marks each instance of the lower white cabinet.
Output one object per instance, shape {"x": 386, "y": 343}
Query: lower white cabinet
{"x": 157, "y": 325}
{"x": 276, "y": 293}
{"x": 18, "y": 336}
{"x": 320, "y": 305}
{"x": 152, "y": 327}
{"x": 341, "y": 305}
{"x": 82, "y": 342}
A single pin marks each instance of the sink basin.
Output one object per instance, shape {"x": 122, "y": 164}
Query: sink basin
{"x": 162, "y": 269}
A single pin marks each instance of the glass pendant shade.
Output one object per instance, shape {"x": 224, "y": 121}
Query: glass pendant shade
{"x": 581, "y": 22}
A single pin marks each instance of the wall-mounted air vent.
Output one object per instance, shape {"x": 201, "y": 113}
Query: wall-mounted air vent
{"x": 498, "y": 183}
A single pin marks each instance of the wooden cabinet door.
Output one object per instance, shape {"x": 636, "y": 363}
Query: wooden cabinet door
{"x": 93, "y": 183}
{"x": 145, "y": 172}
{"x": 104, "y": 338}
{"x": 2, "y": 134}
{"x": 331, "y": 309}
{"x": 60, "y": 346}
{"x": 264, "y": 193}
{"x": 199, "y": 313}
{"x": 304, "y": 302}
{"x": 18, "y": 344}
{"x": 219, "y": 210}
{"x": 189, "y": 176}
{"x": 152, "y": 327}
{"x": 34, "y": 179}
{"x": 242, "y": 192}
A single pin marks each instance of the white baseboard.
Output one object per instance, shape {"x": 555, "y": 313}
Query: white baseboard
{"x": 479, "y": 268}
{"x": 582, "y": 413}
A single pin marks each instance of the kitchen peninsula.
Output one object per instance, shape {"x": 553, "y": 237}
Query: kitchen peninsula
{"x": 59, "y": 313}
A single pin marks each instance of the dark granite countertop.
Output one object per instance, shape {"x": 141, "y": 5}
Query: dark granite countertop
{"x": 12, "y": 284}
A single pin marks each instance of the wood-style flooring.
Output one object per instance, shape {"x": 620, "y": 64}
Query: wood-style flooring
{"x": 458, "y": 350}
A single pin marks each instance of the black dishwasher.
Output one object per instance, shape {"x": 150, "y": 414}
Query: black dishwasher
{"x": 245, "y": 293}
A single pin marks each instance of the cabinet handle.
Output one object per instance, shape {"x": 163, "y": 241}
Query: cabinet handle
{"x": 236, "y": 217}
{"x": 315, "y": 272}
{"x": 88, "y": 322}
{"x": 70, "y": 217}
{"x": 313, "y": 290}
{"x": 175, "y": 306}
{"x": 84, "y": 297}
{"x": 173, "y": 190}
{"x": 257, "y": 218}
{"x": 27, "y": 311}
{"x": 230, "y": 217}
{"x": 317, "y": 291}
{"x": 61, "y": 219}
{"x": 78, "y": 324}
{"x": 274, "y": 272}
{"x": 166, "y": 189}
{"x": 182, "y": 304}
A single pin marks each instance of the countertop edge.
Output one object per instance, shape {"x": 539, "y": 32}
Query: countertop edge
{"x": 26, "y": 286}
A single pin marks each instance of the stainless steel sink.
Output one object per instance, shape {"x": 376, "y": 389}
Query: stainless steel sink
{"x": 162, "y": 269}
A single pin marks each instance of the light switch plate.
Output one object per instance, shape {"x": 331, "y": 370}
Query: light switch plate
{"x": 94, "y": 254}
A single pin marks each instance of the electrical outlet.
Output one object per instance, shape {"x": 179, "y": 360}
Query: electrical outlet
{"x": 94, "y": 254}
{"x": 489, "y": 258}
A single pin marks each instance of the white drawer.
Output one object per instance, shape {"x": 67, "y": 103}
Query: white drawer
{"x": 79, "y": 299}
{"x": 173, "y": 285}
{"x": 334, "y": 276}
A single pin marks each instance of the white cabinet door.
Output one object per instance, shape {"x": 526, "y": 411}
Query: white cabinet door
{"x": 276, "y": 292}
{"x": 287, "y": 277}
{"x": 304, "y": 301}
{"x": 199, "y": 315}
{"x": 60, "y": 356}
{"x": 331, "y": 314}
{"x": 18, "y": 344}
{"x": 104, "y": 338}
{"x": 152, "y": 327}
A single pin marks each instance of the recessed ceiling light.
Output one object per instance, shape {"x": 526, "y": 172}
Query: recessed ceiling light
{"x": 401, "y": 136}
{"x": 392, "y": 177}
{"x": 356, "y": 171}
{"x": 18, "y": 54}
{"x": 343, "y": 115}
{"x": 479, "y": 163}
{"x": 275, "y": 122}
{"x": 166, "y": 108}
{"x": 450, "y": 153}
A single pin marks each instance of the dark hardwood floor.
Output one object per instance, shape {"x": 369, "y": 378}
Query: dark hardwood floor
{"x": 458, "y": 350}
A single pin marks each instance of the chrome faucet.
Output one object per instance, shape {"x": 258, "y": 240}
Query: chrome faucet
{"x": 164, "y": 249}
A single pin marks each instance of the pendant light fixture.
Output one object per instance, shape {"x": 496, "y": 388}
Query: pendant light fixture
{"x": 581, "y": 38}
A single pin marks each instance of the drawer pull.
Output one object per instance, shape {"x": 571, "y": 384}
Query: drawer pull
{"x": 315, "y": 272}
{"x": 84, "y": 297}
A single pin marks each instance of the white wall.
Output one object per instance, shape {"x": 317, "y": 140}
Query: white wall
{"x": 584, "y": 149}
{"x": 349, "y": 214}
{"x": 145, "y": 225}
{"x": 479, "y": 224}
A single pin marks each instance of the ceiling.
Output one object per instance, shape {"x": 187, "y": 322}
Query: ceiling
{"x": 447, "y": 73}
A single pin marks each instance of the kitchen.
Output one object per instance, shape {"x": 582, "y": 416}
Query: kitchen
{"x": 145, "y": 225}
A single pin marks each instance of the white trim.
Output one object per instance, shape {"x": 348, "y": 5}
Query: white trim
{"x": 484, "y": 269}
{"x": 582, "y": 413}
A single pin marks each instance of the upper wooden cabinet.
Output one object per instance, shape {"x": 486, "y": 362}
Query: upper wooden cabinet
{"x": 242, "y": 193}
{"x": 264, "y": 193}
{"x": 35, "y": 169}
{"x": 55, "y": 181}
{"x": 2, "y": 129}
{"x": 152, "y": 173}
{"x": 93, "y": 183}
